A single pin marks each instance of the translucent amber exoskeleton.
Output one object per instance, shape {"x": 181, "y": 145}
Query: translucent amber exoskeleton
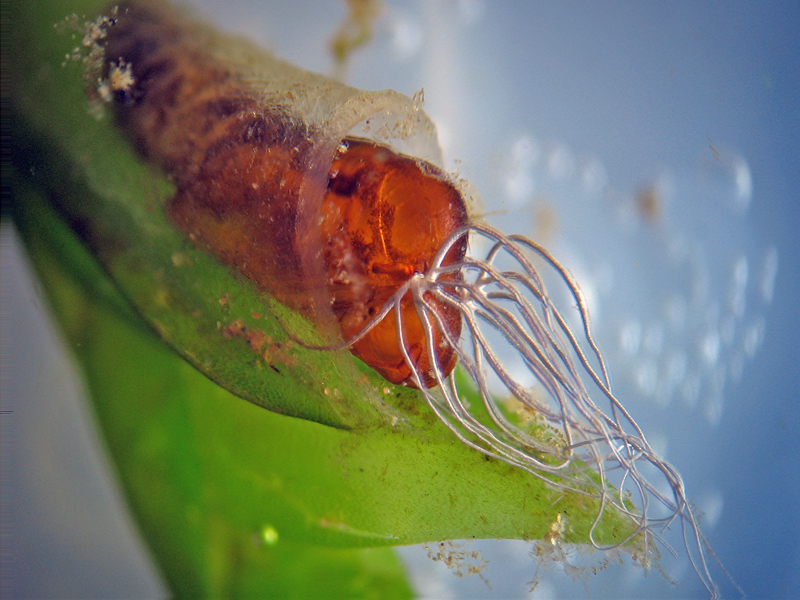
{"x": 385, "y": 216}
{"x": 324, "y": 223}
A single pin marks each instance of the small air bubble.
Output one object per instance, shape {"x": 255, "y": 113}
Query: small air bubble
{"x": 630, "y": 336}
{"x": 647, "y": 377}
{"x": 525, "y": 153}
{"x": 519, "y": 183}
{"x": 711, "y": 504}
{"x": 753, "y": 336}
{"x": 736, "y": 293}
{"x": 594, "y": 177}
{"x": 471, "y": 11}
{"x": 744, "y": 183}
{"x": 407, "y": 37}
{"x": 769, "y": 272}
{"x": 519, "y": 188}
{"x": 561, "y": 163}
{"x": 709, "y": 347}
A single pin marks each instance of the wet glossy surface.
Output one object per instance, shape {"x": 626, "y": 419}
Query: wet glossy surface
{"x": 384, "y": 218}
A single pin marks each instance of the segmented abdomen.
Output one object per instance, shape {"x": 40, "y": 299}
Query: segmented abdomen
{"x": 242, "y": 171}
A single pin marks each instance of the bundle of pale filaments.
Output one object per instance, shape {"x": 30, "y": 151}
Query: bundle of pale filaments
{"x": 578, "y": 446}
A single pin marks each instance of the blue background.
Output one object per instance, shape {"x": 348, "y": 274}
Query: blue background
{"x": 648, "y": 91}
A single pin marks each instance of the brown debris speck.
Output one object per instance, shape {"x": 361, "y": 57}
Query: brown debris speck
{"x": 649, "y": 203}
{"x": 270, "y": 351}
{"x": 460, "y": 561}
{"x": 233, "y": 329}
{"x": 257, "y": 338}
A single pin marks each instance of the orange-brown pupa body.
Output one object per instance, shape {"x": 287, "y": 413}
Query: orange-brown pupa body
{"x": 264, "y": 181}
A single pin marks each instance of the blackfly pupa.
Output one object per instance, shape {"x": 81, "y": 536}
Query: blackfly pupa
{"x": 323, "y": 197}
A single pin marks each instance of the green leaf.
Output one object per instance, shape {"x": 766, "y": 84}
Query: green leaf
{"x": 234, "y": 499}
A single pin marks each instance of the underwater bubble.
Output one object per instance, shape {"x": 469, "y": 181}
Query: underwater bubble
{"x": 561, "y": 162}
{"x": 768, "y": 274}
{"x": 710, "y": 504}
{"x": 406, "y": 34}
{"x": 753, "y": 336}
{"x": 744, "y": 183}
{"x": 525, "y": 153}
{"x": 647, "y": 377}
{"x": 729, "y": 178}
{"x": 519, "y": 181}
{"x": 713, "y": 398}
{"x": 594, "y": 176}
{"x": 710, "y": 347}
{"x": 470, "y": 11}
{"x": 519, "y": 188}
{"x": 738, "y": 286}
{"x": 630, "y": 336}
{"x": 673, "y": 373}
